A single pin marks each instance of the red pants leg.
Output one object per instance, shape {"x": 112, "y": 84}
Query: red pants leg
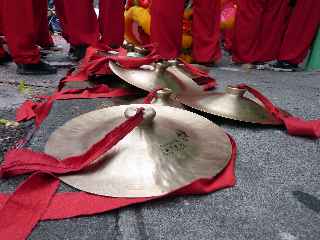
{"x": 61, "y": 13}
{"x": 274, "y": 24}
{"x": 111, "y": 22}
{"x": 166, "y": 26}
{"x": 20, "y": 20}
{"x": 302, "y": 28}
{"x": 2, "y": 53}
{"x": 206, "y": 30}
{"x": 44, "y": 36}
{"x": 79, "y": 21}
{"x": 247, "y": 30}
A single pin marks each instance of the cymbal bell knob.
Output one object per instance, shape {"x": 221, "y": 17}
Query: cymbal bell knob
{"x": 161, "y": 66}
{"x": 149, "y": 114}
{"x": 173, "y": 62}
{"x": 235, "y": 91}
{"x": 164, "y": 93}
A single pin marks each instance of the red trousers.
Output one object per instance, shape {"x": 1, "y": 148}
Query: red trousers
{"x": 166, "y": 28}
{"x": 81, "y": 26}
{"x": 302, "y": 28}
{"x": 25, "y": 25}
{"x": 2, "y": 53}
{"x": 259, "y": 29}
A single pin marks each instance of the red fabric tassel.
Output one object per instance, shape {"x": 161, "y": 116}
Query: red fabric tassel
{"x": 295, "y": 126}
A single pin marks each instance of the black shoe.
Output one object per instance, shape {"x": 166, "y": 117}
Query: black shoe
{"x": 76, "y": 53}
{"x": 40, "y": 68}
{"x": 6, "y": 59}
{"x": 283, "y": 66}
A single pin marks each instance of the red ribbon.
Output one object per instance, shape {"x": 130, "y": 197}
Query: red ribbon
{"x": 295, "y": 126}
{"x": 35, "y": 199}
{"x": 40, "y": 110}
{"x": 203, "y": 78}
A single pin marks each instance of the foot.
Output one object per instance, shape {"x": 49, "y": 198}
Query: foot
{"x": 284, "y": 66}
{"x": 40, "y": 68}
{"x": 5, "y": 59}
{"x": 76, "y": 53}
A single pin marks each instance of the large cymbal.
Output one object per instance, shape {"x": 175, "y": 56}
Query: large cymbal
{"x": 157, "y": 75}
{"x": 163, "y": 154}
{"x": 231, "y": 104}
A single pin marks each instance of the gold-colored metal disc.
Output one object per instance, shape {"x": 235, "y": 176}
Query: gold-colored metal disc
{"x": 231, "y": 104}
{"x": 165, "y": 97}
{"x": 157, "y": 75}
{"x": 160, "y": 156}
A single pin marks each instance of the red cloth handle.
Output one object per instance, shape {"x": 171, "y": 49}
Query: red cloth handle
{"x": 203, "y": 78}
{"x": 295, "y": 126}
{"x": 22, "y": 161}
{"x": 24, "y": 209}
{"x": 35, "y": 200}
{"x": 40, "y": 110}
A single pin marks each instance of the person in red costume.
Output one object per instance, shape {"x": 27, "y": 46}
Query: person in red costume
{"x": 166, "y": 29}
{"x": 81, "y": 27}
{"x": 25, "y": 26}
{"x": 302, "y": 28}
{"x": 259, "y": 29}
{"x": 4, "y": 56}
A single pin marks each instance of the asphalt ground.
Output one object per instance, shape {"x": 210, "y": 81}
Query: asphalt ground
{"x": 277, "y": 195}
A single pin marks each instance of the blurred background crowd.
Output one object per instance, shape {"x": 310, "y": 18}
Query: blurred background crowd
{"x": 263, "y": 34}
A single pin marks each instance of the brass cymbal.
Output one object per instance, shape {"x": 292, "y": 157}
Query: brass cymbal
{"x": 157, "y": 75}
{"x": 231, "y": 104}
{"x": 165, "y": 97}
{"x": 171, "y": 149}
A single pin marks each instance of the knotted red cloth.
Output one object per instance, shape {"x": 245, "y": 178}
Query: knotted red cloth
{"x": 35, "y": 199}
{"x": 294, "y": 125}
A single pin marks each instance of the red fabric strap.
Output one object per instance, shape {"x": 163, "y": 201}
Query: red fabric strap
{"x": 40, "y": 110}
{"x": 203, "y": 78}
{"x": 22, "y": 210}
{"x": 67, "y": 205}
{"x": 22, "y": 161}
{"x": 295, "y": 126}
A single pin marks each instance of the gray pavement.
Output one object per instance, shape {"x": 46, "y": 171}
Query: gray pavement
{"x": 277, "y": 195}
